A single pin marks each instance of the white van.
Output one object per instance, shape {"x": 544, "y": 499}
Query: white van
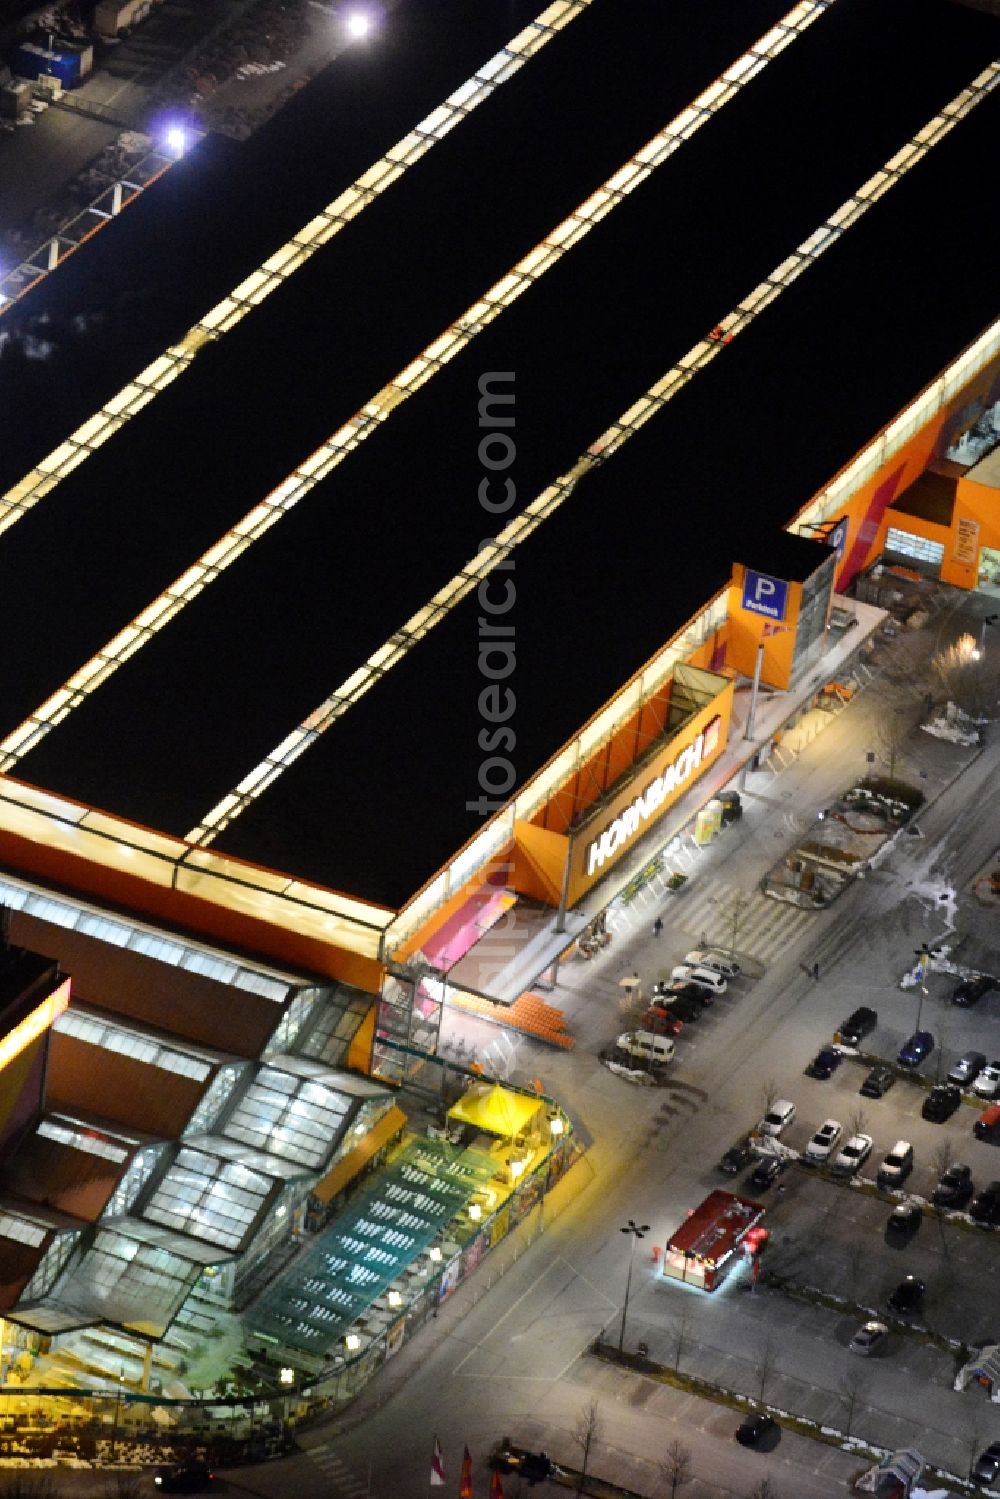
{"x": 706, "y": 978}
{"x": 897, "y": 1165}
{"x": 648, "y": 1047}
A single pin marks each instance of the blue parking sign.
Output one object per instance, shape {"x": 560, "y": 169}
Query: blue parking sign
{"x": 764, "y": 595}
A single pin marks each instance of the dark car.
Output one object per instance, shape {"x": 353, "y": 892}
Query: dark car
{"x": 681, "y": 1005}
{"x": 986, "y": 1468}
{"x": 904, "y": 1220}
{"x": 971, "y": 991}
{"x": 984, "y": 1208}
{"x": 941, "y": 1102}
{"x": 825, "y": 1063}
{"x": 189, "y": 1477}
{"x": 968, "y": 1067}
{"x": 681, "y": 989}
{"x": 736, "y": 1157}
{"x": 767, "y": 1171}
{"x": 954, "y": 1188}
{"x": 908, "y": 1296}
{"x": 879, "y": 1080}
{"x": 752, "y": 1429}
{"x": 533, "y": 1467}
{"x": 857, "y": 1026}
{"x": 916, "y": 1049}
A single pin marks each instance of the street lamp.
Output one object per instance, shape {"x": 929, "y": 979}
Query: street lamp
{"x": 635, "y": 1231}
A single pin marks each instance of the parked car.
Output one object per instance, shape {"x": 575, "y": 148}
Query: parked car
{"x": 897, "y": 1165}
{"x": 941, "y": 1102}
{"x": 879, "y": 1080}
{"x": 904, "y": 1220}
{"x": 752, "y": 1429}
{"x": 971, "y": 991}
{"x": 908, "y": 1296}
{"x": 533, "y": 1467}
{"x": 189, "y": 1477}
{"x": 857, "y": 1026}
{"x": 852, "y": 1155}
{"x": 682, "y": 1006}
{"x": 695, "y": 973}
{"x": 825, "y": 1063}
{"x": 916, "y": 1049}
{"x": 869, "y": 1337}
{"x": 987, "y": 1126}
{"x": 778, "y": 1117}
{"x": 736, "y": 1157}
{"x": 987, "y": 1084}
{"x": 711, "y": 957}
{"x": 984, "y": 1208}
{"x": 647, "y": 1046}
{"x": 767, "y": 1171}
{"x": 824, "y": 1141}
{"x": 986, "y": 1468}
{"x": 661, "y": 1021}
{"x": 696, "y": 992}
{"x": 968, "y": 1067}
{"x": 954, "y": 1188}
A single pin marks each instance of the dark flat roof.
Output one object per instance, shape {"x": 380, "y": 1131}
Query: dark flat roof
{"x": 644, "y": 541}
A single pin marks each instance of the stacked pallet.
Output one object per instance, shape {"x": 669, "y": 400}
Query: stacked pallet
{"x": 529, "y": 1014}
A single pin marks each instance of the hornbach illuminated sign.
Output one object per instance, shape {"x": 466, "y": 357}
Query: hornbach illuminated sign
{"x": 648, "y": 803}
{"x": 33, "y": 1025}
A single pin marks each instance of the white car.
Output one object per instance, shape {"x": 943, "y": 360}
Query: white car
{"x": 779, "y": 1115}
{"x": 693, "y": 973}
{"x": 987, "y": 1084}
{"x": 825, "y": 1141}
{"x": 709, "y": 957}
{"x": 853, "y": 1154}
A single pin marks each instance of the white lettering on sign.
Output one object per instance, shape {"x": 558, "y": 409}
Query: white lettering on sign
{"x": 651, "y": 798}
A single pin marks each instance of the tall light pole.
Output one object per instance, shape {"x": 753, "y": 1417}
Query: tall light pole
{"x": 635, "y": 1231}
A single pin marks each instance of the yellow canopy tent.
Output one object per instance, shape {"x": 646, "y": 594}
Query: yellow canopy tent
{"x": 496, "y": 1110}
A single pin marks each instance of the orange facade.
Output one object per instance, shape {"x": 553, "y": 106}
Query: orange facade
{"x": 869, "y": 510}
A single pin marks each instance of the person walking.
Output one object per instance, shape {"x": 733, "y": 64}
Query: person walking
{"x": 657, "y": 926}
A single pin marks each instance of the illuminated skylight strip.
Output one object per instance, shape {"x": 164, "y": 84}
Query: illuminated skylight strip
{"x": 320, "y": 464}
{"x": 129, "y": 401}
{"x": 402, "y": 641}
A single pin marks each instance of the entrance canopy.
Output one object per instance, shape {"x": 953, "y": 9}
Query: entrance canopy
{"x": 496, "y": 1110}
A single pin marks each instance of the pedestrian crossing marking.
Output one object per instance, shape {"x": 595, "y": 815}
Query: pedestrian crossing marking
{"x": 333, "y": 1467}
{"x": 767, "y": 927}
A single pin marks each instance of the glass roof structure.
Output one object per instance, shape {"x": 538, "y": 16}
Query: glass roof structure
{"x": 123, "y": 1280}
{"x": 211, "y": 1198}
{"x": 379, "y": 1234}
{"x": 296, "y": 1110}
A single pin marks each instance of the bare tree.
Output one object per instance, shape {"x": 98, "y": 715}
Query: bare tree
{"x": 942, "y": 1156}
{"x": 977, "y": 1441}
{"x": 585, "y": 1433}
{"x": 733, "y": 910}
{"x": 680, "y": 1338}
{"x": 764, "y": 1490}
{"x": 891, "y": 735}
{"x": 853, "y": 1392}
{"x": 765, "y": 1367}
{"x": 674, "y": 1468}
{"x": 769, "y": 1091}
{"x": 963, "y": 674}
{"x": 857, "y": 1260}
{"x": 857, "y": 1122}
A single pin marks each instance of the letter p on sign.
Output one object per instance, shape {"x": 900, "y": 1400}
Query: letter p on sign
{"x": 764, "y": 595}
